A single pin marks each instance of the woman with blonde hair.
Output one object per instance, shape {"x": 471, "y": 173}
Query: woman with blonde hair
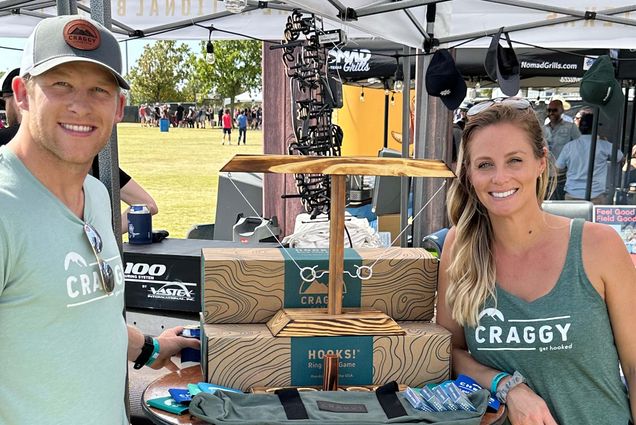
{"x": 540, "y": 307}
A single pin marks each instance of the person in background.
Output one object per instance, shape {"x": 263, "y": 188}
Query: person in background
{"x": 227, "y": 127}
{"x": 11, "y": 109}
{"x": 630, "y": 167}
{"x": 241, "y": 122}
{"x": 130, "y": 193}
{"x": 574, "y": 163}
{"x": 61, "y": 273}
{"x": 558, "y": 132}
{"x": 537, "y": 314}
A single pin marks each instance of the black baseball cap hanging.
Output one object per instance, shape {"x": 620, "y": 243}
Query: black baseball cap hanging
{"x": 444, "y": 80}
{"x": 502, "y": 65}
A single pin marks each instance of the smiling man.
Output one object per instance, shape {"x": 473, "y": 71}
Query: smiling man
{"x": 64, "y": 340}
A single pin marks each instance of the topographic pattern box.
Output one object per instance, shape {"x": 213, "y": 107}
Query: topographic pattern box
{"x": 247, "y": 355}
{"x": 249, "y": 285}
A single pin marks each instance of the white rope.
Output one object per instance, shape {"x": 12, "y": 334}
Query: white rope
{"x": 362, "y": 272}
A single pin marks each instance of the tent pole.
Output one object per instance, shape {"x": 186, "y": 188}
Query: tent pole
{"x": 66, "y": 7}
{"x": 630, "y": 141}
{"x": 386, "y": 116}
{"x": 615, "y": 169}
{"x": 590, "y": 167}
{"x": 406, "y": 140}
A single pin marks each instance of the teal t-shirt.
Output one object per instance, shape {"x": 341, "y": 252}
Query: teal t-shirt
{"x": 562, "y": 343}
{"x": 62, "y": 340}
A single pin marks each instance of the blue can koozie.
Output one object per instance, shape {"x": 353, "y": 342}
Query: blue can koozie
{"x": 139, "y": 224}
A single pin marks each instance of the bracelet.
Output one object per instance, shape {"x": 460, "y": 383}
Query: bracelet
{"x": 155, "y": 352}
{"x": 146, "y": 351}
{"x": 496, "y": 380}
{"x": 517, "y": 379}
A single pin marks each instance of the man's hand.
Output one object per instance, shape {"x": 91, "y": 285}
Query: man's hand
{"x": 170, "y": 344}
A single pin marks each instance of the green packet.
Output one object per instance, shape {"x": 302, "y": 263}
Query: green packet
{"x": 168, "y": 404}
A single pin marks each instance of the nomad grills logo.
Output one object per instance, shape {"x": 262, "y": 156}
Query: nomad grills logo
{"x": 495, "y": 333}
{"x": 153, "y": 279}
{"x": 81, "y": 34}
{"x": 349, "y": 60}
{"x": 355, "y": 359}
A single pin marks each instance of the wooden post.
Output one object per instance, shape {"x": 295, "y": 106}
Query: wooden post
{"x": 336, "y": 243}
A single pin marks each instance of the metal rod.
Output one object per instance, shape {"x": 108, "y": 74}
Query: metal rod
{"x": 590, "y": 170}
{"x": 383, "y": 8}
{"x": 406, "y": 140}
{"x": 386, "y": 119}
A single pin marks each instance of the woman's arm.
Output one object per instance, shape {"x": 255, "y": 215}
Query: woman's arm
{"x": 524, "y": 406}
{"x": 615, "y": 271}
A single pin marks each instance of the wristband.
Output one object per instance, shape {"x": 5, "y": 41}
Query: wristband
{"x": 155, "y": 352}
{"x": 496, "y": 380}
{"x": 146, "y": 352}
{"x": 516, "y": 379}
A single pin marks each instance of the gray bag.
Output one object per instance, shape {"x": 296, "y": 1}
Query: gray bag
{"x": 385, "y": 406}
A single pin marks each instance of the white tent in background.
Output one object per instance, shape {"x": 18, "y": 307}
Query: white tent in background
{"x": 254, "y": 97}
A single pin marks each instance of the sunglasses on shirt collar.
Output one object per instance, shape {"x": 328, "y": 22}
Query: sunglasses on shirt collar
{"x": 105, "y": 270}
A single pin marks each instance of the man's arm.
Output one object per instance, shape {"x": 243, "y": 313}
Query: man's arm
{"x": 132, "y": 193}
{"x": 170, "y": 344}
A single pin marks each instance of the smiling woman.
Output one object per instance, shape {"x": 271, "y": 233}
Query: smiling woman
{"x": 527, "y": 301}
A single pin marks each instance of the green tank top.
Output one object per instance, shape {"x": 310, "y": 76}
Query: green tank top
{"x": 561, "y": 342}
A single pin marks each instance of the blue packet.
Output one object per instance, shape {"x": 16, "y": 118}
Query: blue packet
{"x": 168, "y": 404}
{"x": 458, "y": 397}
{"x": 180, "y": 395}
{"x": 416, "y": 400}
{"x": 468, "y": 385}
{"x": 432, "y": 400}
{"x": 206, "y": 387}
{"x": 194, "y": 389}
{"x": 444, "y": 398}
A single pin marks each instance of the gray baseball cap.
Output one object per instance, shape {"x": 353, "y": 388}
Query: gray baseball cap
{"x": 71, "y": 38}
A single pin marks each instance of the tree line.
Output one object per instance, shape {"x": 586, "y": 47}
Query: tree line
{"x": 168, "y": 71}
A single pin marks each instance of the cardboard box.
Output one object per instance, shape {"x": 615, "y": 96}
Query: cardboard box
{"x": 245, "y": 356}
{"x": 249, "y": 285}
{"x": 390, "y": 223}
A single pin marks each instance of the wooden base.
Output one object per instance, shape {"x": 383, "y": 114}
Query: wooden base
{"x": 317, "y": 322}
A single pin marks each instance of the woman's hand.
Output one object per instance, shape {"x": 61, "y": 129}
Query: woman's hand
{"x": 525, "y": 407}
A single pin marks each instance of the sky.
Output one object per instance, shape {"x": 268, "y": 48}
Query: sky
{"x": 11, "y": 58}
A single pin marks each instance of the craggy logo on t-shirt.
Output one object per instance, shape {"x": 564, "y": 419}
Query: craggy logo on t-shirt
{"x": 496, "y": 333}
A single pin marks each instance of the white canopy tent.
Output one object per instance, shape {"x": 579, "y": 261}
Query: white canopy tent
{"x": 412, "y": 23}
{"x": 609, "y": 23}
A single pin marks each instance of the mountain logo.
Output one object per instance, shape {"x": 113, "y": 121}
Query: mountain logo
{"x": 82, "y": 35}
{"x": 75, "y": 258}
{"x": 317, "y": 288}
{"x": 492, "y": 313}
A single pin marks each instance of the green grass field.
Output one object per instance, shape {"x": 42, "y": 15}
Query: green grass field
{"x": 179, "y": 168}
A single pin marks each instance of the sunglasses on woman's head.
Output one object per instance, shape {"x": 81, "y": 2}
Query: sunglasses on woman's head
{"x": 105, "y": 270}
{"x": 514, "y": 102}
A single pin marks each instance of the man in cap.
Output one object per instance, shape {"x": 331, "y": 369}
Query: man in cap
{"x": 130, "y": 193}
{"x": 64, "y": 339}
{"x": 557, "y": 133}
{"x": 13, "y": 113}
{"x": 575, "y": 158}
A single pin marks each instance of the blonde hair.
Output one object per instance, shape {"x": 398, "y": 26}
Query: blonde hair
{"x": 472, "y": 272}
